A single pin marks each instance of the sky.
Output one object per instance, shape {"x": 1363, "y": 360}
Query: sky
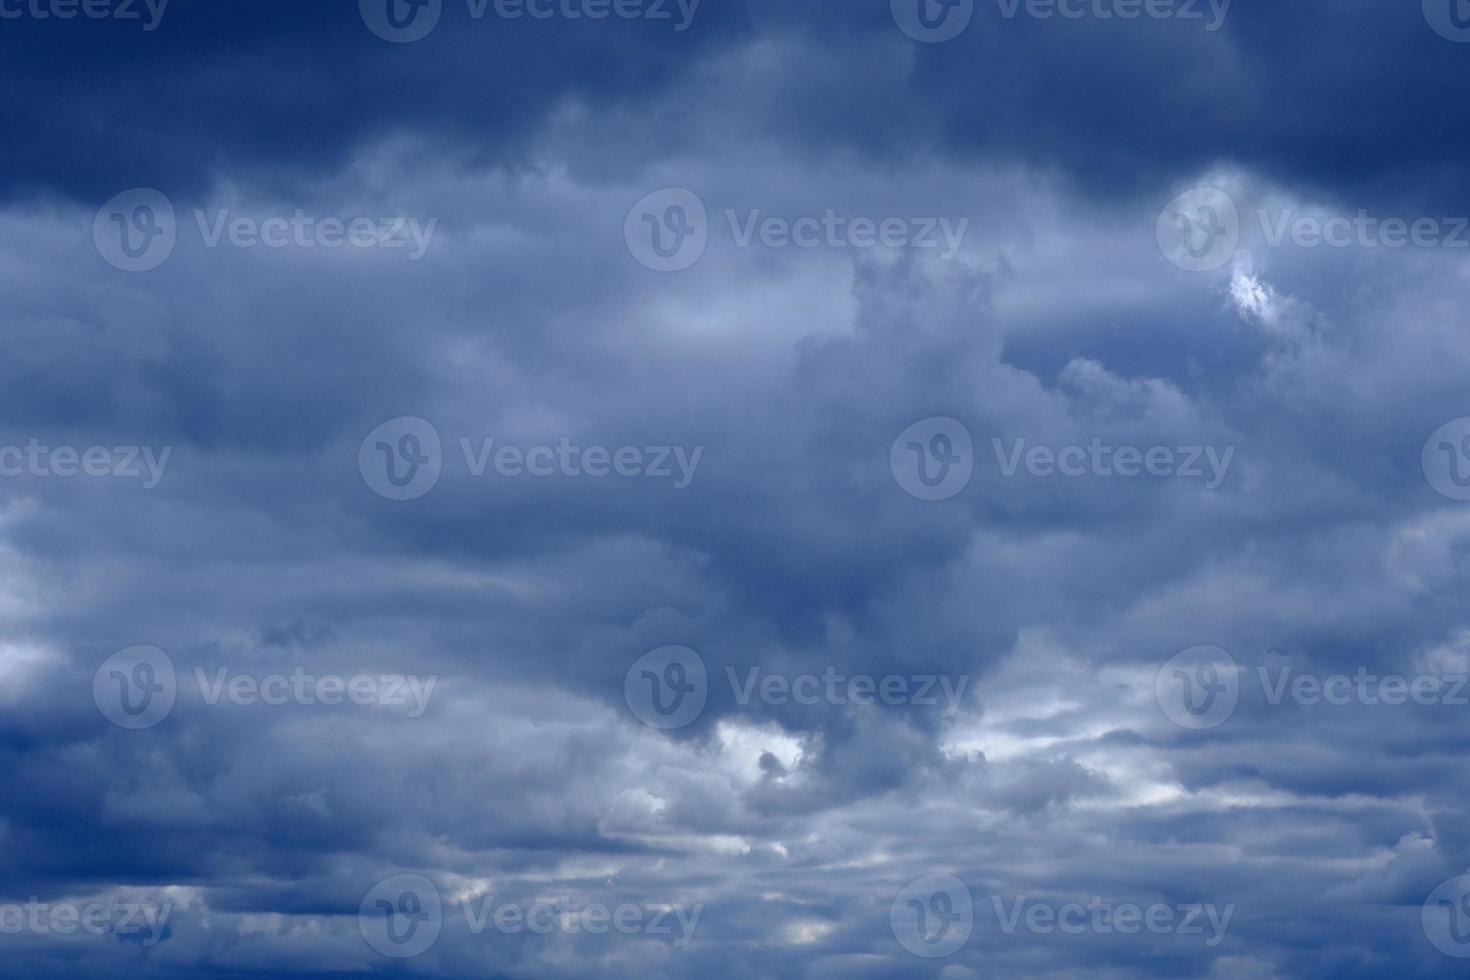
{"x": 544, "y": 489}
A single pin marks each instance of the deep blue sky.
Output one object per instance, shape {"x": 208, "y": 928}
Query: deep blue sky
{"x": 180, "y": 289}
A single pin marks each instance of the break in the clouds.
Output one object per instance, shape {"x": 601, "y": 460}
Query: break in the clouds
{"x": 568, "y": 488}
